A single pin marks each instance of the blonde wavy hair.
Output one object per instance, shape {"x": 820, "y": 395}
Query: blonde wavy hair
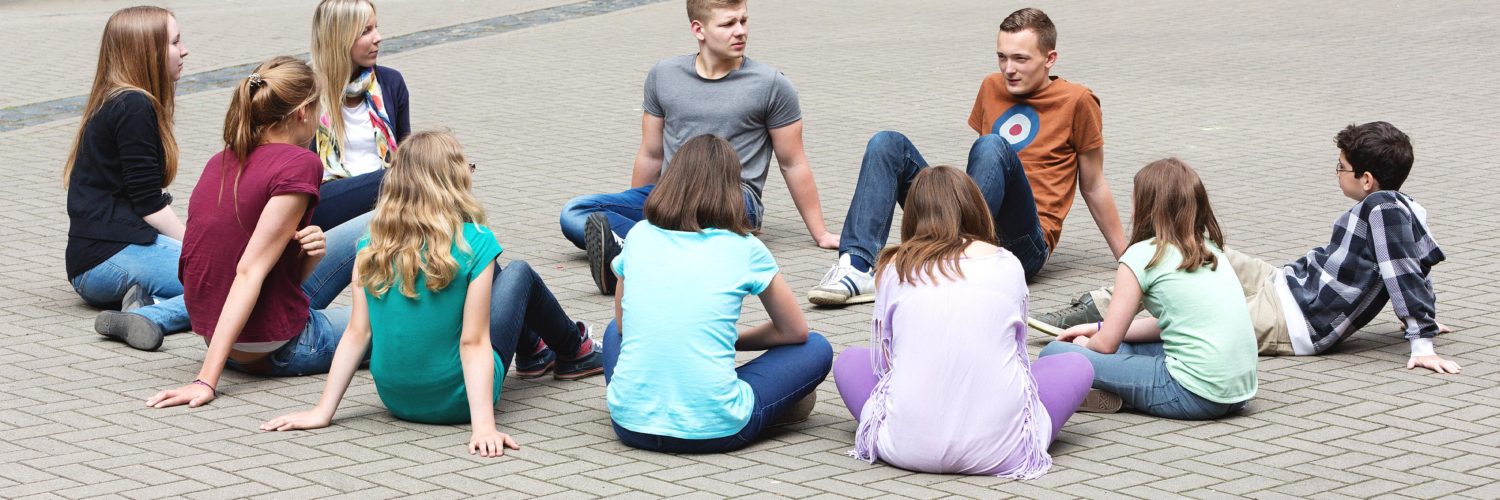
{"x": 424, "y": 202}
{"x": 336, "y": 25}
{"x": 133, "y": 58}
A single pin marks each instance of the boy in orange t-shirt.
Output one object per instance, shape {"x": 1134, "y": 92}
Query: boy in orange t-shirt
{"x": 1040, "y": 136}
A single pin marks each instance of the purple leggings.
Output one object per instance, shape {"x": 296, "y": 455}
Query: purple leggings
{"x": 1062, "y": 381}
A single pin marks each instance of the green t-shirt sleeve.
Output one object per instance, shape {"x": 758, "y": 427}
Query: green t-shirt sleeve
{"x": 1136, "y": 257}
{"x": 483, "y": 249}
{"x": 762, "y": 267}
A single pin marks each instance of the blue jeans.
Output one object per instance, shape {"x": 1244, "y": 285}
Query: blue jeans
{"x": 522, "y": 310}
{"x": 624, "y": 209}
{"x": 344, "y": 199}
{"x": 1138, "y": 374}
{"x": 890, "y": 164}
{"x": 779, "y": 378}
{"x": 312, "y": 350}
{"x": 154, "y": 268}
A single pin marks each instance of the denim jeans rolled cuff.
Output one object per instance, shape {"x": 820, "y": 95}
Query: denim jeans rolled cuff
{"x": 1138, "y": 374}
{"x": 152, "y": 267}
{"x": 308, "y": 353}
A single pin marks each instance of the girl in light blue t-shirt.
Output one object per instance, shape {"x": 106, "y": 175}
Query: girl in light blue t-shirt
{"x": 1195, "y": 359}
{"x": 669, "y": 355}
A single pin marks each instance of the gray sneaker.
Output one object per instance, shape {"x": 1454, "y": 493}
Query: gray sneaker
{"x": 135, "y": 298}
{"x": 1097, "y": 401}
{"x": 799, "y": 412}
{"x": 135, "y": 330}
{"x": 1053, "y": 323}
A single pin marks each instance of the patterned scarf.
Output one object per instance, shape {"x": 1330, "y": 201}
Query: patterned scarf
{"x": 363, "y": 86}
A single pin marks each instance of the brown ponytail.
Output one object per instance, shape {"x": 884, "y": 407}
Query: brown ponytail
{"x": 274, "y": 91}
{"x": 263, "y": 100}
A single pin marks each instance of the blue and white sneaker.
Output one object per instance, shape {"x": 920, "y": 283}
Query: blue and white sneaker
{"x": 844, "y": 285}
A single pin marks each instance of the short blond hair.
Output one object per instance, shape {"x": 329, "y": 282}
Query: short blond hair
{"x": 702, "y": 10}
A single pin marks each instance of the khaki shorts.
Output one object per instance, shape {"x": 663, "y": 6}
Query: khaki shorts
{"x": 1259, "y": 281}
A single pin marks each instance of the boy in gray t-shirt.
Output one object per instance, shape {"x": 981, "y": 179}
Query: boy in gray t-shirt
{"x": 720, "y": 92}
{"x": 742, "y": 108}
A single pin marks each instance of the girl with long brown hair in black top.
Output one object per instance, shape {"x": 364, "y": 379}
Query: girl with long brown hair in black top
{"x": 124, "y": 239}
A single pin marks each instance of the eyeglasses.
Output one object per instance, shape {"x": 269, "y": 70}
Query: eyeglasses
{"x": 1338, "y": 167}
{"x": 473, "y": 167}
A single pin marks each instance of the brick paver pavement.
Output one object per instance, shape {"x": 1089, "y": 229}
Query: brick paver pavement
{"x": 1249, "y": 93}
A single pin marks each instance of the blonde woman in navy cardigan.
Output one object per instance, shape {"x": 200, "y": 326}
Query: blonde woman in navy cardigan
{"x": 365, "y": 112}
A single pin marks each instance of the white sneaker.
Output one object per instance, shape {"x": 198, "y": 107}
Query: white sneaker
{"x": 844, "y": 285}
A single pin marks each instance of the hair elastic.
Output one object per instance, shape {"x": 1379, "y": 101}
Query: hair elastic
{"x": 256, "y": 80}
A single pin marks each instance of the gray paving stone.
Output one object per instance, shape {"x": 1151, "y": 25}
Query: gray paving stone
{"x": 1250, "y": 94}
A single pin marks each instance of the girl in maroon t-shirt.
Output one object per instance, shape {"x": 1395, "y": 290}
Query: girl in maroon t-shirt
{"x": 255, "y": 275}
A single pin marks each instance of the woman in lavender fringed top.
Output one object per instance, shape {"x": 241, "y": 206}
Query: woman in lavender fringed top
{"x": 946, "y": 385}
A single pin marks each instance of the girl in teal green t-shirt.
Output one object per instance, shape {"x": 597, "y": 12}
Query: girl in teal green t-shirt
{"x": 1195, "y": 359}
{"x": 441, "y": 327}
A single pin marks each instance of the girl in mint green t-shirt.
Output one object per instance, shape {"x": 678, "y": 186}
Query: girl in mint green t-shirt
{"x": 1195, "y": 359}
{"x": 441, "y": 327}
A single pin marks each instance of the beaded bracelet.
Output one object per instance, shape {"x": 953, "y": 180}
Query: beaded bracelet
{"x": 206, "y": 384}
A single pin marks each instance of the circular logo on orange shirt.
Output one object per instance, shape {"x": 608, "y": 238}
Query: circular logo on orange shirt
{"x": 1018, "y": 125}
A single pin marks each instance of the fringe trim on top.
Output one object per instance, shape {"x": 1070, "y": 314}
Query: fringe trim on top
{"x": 875, "y": 407}
{"x": 1034, "y": 444}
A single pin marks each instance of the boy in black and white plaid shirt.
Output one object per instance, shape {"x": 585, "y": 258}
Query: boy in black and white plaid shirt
{"x": 1381, "y": 250}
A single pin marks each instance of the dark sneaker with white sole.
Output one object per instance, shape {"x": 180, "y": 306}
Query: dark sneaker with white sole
{"x": 1053, "y": 323}
{"x": 602, "y": 245}
{"x": 535, "y": 365}
{"x": 584, "y": 366}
